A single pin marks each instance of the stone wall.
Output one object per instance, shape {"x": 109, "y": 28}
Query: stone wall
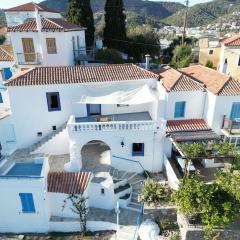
{"x": 196, "y": 233}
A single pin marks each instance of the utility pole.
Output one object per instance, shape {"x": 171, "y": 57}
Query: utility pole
{"x": 185, "y": 22}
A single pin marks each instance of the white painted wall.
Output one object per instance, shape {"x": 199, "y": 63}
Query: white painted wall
{"x": 14, "y": 18}
{"x": 35, "y": 111}
{"x": 194, "y": 104}
{"x": 64, "y": 55}
{"x": 58, "y": 145}
{"x": 12, "y": 219}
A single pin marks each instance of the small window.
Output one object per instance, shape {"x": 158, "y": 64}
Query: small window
{"x": 53, "y": 101}
{"x": 239, "y": 61}
{"x": 211, "y": 52}
{"x": 138, "y": 149}
{"x": 122, "y": 105}
{"x": 39, "y": 134}
{"x": 27, "y": 202}
{"x": 54, "y": 128}
{"x": 225, "y": 61}
{"x": 102, "y": 191}
{"x": 179, "y": 109}
{"x": 1, "y": 98}
{"x": 51, "y": 45}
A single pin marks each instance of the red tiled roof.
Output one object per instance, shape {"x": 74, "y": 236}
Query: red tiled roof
{"x": 30, "y": 7}
{"x": 232, "y": 41}
{"x": 48, "y": 24}
{"x": 68, "y": 182}
{"x": 187, "y": 125}
{"x": 5, "y": 56}
{"x": 173, "y": 80}
{"x": 80, "y": 74}
{"x": 3, "y": 30}
{"x": 215, "y": 82}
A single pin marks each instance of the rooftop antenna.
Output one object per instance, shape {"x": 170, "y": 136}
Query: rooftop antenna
{"x": 185, "y": 22}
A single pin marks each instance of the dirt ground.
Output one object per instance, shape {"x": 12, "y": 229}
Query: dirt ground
{"x": 59, "y": 236}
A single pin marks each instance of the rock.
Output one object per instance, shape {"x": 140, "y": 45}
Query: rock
{"x": 149, "y": 230}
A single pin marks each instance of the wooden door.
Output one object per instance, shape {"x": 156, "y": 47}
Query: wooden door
{"x": 28, "y": 49}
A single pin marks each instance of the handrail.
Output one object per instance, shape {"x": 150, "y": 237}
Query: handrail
{"x": 139, "y": 218}
{"x": 130, "y": 160}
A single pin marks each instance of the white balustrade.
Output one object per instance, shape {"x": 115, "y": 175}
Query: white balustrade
{"x": 113, "y": 126}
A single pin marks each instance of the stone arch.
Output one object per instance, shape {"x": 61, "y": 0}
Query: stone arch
{"x": 96, "y": 156}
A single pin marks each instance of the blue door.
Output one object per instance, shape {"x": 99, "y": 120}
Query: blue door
{"x": 93, "y": 109}
{"x": 7, "y": 73}
{"x": 235, "y": 112}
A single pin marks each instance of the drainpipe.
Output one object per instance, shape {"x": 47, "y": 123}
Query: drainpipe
{"x": 40, "y": 36}
{"x": 147, "y": 66}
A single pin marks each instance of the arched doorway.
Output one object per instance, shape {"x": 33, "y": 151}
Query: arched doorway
{"x": 96, "y": 157}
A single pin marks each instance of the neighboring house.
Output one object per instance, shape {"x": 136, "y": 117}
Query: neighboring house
{"x": 229, "y": 61}
{"x": 4, "y": 32}
{"x": 209, "y": 50}
{"x": 41, "y": 37}
{"x": 18, "y": 15}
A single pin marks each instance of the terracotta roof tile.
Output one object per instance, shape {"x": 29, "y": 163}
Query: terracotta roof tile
{"x": 48, "y": 24}
{"x": 68, "y": 182}
{"x": 232, "y": 41}
{"x": 30, "y": 7}
{"x": 5, "y": 114}
{"x": 5, "y": 56}
{"x": 215, "y": 82}
{"x": 80, "y": 74}
{"x": 173, "y": 80}
{"x": 187, "y": 125}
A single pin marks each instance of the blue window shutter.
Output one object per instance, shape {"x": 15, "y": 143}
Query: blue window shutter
{"x": 27, "y": 202}
{"x": 235, "y": 112}
{"x": 1, "y": 98}
{"x": 7, "y": 73}
{"x": 88, "y": 109}
{"x": 179, "y": 109}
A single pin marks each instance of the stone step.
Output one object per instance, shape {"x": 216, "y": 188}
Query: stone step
{"x": 122, "y": 188}
{"x": 126, "y": 196}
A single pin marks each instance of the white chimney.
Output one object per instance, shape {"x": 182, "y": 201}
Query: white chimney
{"x": 38, "y": 20}
{"x": 147, "y": 66}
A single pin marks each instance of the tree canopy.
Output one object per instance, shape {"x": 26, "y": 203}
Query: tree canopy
{"x": 182, "y": 56}
{"x": 80, "y": 12}
{"x": 114, "y": 33}
{"x": 142, "y": 40}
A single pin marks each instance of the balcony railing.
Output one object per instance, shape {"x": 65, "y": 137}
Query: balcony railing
{"x": 232, "y": 126}
{"x": 84, "y": 54}
{"x": 29, "y": 58}
{"x": 147, "y": 125}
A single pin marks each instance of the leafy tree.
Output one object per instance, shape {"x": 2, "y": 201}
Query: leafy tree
{"x": 80, "y": 12}
{"x": 182, "y": 56}
{"x": 154, "y": 193}
{"x": 142, "y": 40}
{"x": 215, "y": 206}
{"x": 109, "y": 56}
{"x": 79, "y": 207}
{"x": 190, "y": 151}
{"x": 115, "y": 30}
{"x": 209, "y": 64}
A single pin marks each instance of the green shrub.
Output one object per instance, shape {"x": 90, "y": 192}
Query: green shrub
{"x": 174, "y": 236}
{"x": 109, "y": 56}
{"x": 209, "y": 64}
{"x": 154, "y": 193}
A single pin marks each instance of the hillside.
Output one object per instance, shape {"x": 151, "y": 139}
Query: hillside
{"x": 156, "y": 9}
{"x": 204, "y": 13}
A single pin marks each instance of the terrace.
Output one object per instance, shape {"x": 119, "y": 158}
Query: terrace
{"x": 113, "y": 122}
{"x": 230, "y": 127}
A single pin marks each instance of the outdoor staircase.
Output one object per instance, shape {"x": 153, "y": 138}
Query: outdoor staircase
{"x": 47, "y": 138}
{"x": 128, "y": 186}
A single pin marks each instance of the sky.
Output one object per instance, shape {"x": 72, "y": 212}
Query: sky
{"x": 12, "y": 3}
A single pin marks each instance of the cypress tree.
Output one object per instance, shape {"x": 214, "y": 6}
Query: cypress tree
{"x": 115, "y": 27}
{"x": 80, "y": 12}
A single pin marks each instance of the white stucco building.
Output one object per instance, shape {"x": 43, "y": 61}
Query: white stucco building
{"x": 41, "y": 37}
{"x": 116, "y": 122}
